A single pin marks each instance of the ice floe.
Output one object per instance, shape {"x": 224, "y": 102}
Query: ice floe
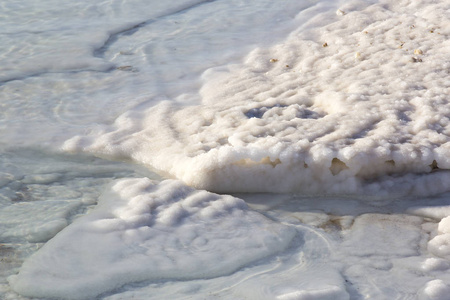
{"x": 142, "y": 231}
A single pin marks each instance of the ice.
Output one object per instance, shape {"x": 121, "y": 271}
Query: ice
{"x": 68, "y": 65}
{"x": 436, "y": 264}
{"x": 47, "y": 219}
{"x": 60, "y": 36}
{"x": 40, "y": 194}
{"x": 435, "y": 290}
{"x": 444, "y": 225}
{"x": 440, "y": 244}
{"x": 336, "y": 110}
{"x": 329, "y": 293}
{"x": 142, "y": 230}
{"x": 304, "y": 269}
{"x": 402, "y": 237}
{"x": 305, "y": 114}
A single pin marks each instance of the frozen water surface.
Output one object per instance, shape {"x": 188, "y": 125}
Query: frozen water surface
{"x": 323, "y": 124}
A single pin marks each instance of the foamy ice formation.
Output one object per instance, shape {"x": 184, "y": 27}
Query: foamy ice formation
{"x": 352, "y": 102}
{"x": 146, "y": 231}
{"x": 440, "y": 244}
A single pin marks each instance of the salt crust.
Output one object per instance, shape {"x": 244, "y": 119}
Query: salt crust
{"x": 146, "y": 231}
{"x": 315, "y": 116}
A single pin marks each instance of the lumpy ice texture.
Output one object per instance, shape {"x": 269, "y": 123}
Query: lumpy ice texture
{"x": 146, "y": 231}
{"x": 359, "y": 104}
{"x": 440, "y": 244}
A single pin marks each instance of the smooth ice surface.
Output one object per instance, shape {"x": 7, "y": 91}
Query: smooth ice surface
{"x": 67, "y": 65}
{"x": 354, "y": 102}
{"x": 148, "y": 231}
{"x": 48, "y": 218}
{"x": 57, "y": 36}
{"x": 40, "y": 194}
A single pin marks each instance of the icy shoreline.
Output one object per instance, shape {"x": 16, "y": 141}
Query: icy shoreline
{"x": 344, "y": 123}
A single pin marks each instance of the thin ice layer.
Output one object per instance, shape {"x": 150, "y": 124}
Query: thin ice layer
{"x": 357, "y": 103}
{"x": 59, "y": 36}
{"x": 146, "y": 231}
{"x": 47, "y": 219}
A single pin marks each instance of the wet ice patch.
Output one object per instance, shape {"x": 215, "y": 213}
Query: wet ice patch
{"x": 304, "y": 269}
{"x": 146, "y": 231}
{"x": 397, "y": 235}
{"x": 326, "y": 293}
{"x": 305, "y": 114}
{"x": 61, "y": 36}
{"x": 35, "y": 222}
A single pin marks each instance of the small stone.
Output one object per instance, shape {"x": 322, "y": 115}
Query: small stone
{"x": 358, "y": 56}
{"x": 418, "y": 52}
{"x": 340, "y": 12}
{"x": 287, "y": 66}
{"x": 325, "y": 45}
{"x": 416, "y": 59}
{"x": 272, "y": 60}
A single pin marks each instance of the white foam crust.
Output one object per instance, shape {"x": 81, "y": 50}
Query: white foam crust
{"x": 146, "y": 231}
{"x": 435, "y": 290}
{"x": 309, "y": 114}
{"x": 440, "y": 244}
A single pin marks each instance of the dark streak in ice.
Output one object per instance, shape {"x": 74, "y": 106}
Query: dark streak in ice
{"x": 100, "y": 52}
{"x": 37, "y": 74}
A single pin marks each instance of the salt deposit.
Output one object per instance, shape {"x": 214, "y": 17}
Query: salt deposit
{"x": 300, "y": 117}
